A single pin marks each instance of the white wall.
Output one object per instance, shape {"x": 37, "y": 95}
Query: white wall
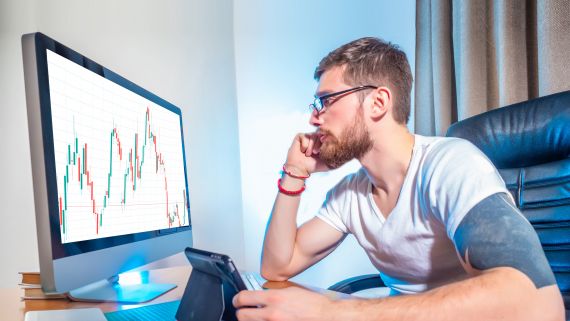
{"x": 182, "y": 51}
{"x": 278, "y": 45}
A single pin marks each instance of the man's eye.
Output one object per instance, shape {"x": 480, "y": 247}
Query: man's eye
{"x": 325, "y": 102}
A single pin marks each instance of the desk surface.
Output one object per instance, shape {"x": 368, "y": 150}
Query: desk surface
{"x": 13, "y": 308}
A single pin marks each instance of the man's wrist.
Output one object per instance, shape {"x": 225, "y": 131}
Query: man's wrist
{"x": 290, "y": 183}
{"x": 295, "y": 171}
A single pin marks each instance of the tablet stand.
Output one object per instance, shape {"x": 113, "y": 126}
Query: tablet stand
{"x": 206, "y": 298}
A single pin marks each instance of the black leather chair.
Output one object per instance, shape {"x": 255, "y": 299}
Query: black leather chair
{"x": 529, "y": 142}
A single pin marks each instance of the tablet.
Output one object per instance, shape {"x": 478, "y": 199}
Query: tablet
{"x": 213, "y": 283}
{"x": 217, "y": 265}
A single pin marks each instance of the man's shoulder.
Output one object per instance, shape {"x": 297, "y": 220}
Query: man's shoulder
{"x": 439, "y": 144}
{"x": 351, "y": 187}
{"x": 353, "y": 181}
{"x": 438, "y": 150}
{"x": 454, "y": 160}
{"x": 451, "y": 155}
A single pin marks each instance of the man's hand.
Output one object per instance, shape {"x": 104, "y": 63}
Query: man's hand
{"x": 292, "y": 304}
{"x": 287, "y": 248}
{"x": 303, "y": 156}
{"x": 500, "y": 294}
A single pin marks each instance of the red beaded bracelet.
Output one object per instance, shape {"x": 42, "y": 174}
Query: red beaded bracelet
{"x": 293, "y": 175}
{"x": 288, "y": 192}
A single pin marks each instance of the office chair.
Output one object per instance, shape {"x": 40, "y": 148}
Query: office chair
{"x": 529, "y": 142}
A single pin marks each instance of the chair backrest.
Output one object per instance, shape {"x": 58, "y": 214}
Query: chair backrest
{"x": 529, "y": 142}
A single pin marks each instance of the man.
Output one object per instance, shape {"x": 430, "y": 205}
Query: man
{"x": 432, "y": 213}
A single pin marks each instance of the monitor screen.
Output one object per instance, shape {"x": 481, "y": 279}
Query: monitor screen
{"x": 109, "y": 168}
{"x": 118, "y": 157}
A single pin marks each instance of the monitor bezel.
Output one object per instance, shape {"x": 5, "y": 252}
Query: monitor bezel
{"x": 59, "y": 249}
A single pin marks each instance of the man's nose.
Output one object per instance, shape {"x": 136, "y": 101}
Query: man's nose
{"x": 316, "y": 119}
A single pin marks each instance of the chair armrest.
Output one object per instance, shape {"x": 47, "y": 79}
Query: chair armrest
{"x": 358, "y": 283}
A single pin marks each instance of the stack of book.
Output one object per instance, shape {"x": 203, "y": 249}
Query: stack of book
{"x": 32, "y": 285}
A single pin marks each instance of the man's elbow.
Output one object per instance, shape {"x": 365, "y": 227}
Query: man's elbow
{"x": 551, "y": 307}
{"x": 552, "y": 312}
{"x": 273, "y": 277}
{"x": 545, "y": 305}
{"x": 272, "y": 274}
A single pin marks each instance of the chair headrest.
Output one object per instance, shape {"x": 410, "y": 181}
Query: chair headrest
{"x": 532, "y": 132}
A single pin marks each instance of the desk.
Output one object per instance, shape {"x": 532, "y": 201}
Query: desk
{"x": 12, "y": 308}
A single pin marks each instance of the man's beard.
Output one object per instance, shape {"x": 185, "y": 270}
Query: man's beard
{"x": 354, "y": 142}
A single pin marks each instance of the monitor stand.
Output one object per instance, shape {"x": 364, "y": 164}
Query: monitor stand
{"x": 110, "y": 290}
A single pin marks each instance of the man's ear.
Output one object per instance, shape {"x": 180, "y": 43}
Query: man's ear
{"x": 381, "y": 102}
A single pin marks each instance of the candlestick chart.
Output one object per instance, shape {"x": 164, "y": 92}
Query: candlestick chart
{"x": 119, "y": 157}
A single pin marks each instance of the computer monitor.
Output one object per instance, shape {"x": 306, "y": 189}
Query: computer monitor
{"x": 109, "y": 174}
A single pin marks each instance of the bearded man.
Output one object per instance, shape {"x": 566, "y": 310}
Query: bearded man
{"x": 432, "y": 213}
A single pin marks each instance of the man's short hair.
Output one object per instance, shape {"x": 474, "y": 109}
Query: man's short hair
{"x": 372, "y": 61}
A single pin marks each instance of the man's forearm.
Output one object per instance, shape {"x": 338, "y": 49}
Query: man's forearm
{"x": 499, "y": 294}
{"x": 279, "y": 244}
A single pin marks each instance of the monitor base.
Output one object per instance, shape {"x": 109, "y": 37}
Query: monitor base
{"x": 112, "y": 291}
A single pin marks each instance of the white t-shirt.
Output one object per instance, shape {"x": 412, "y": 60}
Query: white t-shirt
{"x": 413, "y": 248}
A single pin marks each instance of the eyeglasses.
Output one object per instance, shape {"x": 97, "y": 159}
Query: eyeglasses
{"x": 325, "y": 100}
